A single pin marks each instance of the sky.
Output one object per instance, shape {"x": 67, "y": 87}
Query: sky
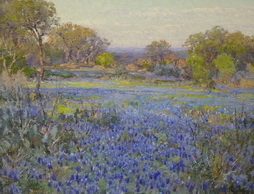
{"x": 136, "y": 23}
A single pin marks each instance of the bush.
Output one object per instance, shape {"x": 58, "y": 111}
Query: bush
{"x": 105, "y": 59}
{"x": 167, "y": 70}
{"x": 147, "y": 64}
{"x": 200, "y": 74}
{"x": 60, "y": 73}
{"x": 121, "y": 71}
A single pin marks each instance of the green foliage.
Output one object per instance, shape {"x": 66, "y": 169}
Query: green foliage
{"x": 14, "y": 64}
{"x": 225, "y": 64}
{"x": 32, "y": 15}
{"x": 35, "y": 19}
{"x": 222, "y": 52}
{"x": 28, "y": 71}
{"x": 157, "y": 50}
{"x": 60, "y": 73}
{"x": 234, "y": 44}
{"x": 53, "y": 55}
{"x": 147, "y": 64}
{"x": 199, "y": 73}
{"x": 80, "y": 44}
{"x": 105, "y": 59}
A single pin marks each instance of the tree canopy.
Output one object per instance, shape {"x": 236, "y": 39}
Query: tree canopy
{"x": 33, "y": 18}
{"x": 220, "y": 51}
{"x": 80, "y": 44}
{"x": 105, "y": 59}
{"x": 157, "y": 50}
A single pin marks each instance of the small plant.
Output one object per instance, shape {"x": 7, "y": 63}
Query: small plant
{"x": 167, "y": 70}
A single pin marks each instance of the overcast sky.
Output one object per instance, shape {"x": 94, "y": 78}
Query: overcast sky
{"x": 135, "y": 23}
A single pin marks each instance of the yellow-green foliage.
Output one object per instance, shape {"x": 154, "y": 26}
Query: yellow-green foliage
{"x": 154, "y": 98}
{"x": 146, "y": 63}
{"x": 82, "y": 84}
{"x": 170, "y": 96}
{"x": 61, "y": 108}
{"x": 179, "y": 95}
{"x": 199, "y": 73}
{"x": 94, "y": 97}
{"x": 211, "y": 108}
{"x": 128, "y": 103}
{"x": 192, "y": 89}
{"x": 123, "y": 84}
{"x": 245, "y": 96}
{"x": 197, "y": 96}
{"x": 225, "y": 64}
{"x": 250, "y": 68}
{"x": 225, "y": 117}
{"x": 105, "y": 59}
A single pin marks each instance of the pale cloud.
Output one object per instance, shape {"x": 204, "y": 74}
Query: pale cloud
{"x": 135, "y": 23}
{"x": 221, "y": 11}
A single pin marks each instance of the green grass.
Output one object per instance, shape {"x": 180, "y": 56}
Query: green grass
{"x": 246, "y": 96}
{"x": 181, "y": 95}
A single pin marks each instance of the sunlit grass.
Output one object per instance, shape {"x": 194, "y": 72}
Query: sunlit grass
{"x": 246, "y": 96}
{"x": 82, "y": 84}
{"x": 181, "y": 95}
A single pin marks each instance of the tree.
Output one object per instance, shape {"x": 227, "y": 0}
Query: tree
{"x": 80, "y": 44}
{"x": 249, "y": 45}
{"x": 148, "y": 64}
{"x": 35, "y": 18}
{"x": 13, "y": 43}
{"x": 239, "y": 47}
{"x": 157, "y": 50}
{"x": 208, "y": 45}
{"x": 199, "y": 73}
{"x": 216, "y": 44}
{"x": 170, "y": 58}
{"x": 105, "y": 59}
{"x": 225, "y": 65}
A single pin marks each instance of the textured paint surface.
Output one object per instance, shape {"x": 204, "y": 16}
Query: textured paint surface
{"x": 136, "y": 113}
{"x": 135, "y": 23}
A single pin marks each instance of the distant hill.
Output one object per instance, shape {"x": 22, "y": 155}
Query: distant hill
{"x": 130, "y": 55}
{"x": 181, "y": 53}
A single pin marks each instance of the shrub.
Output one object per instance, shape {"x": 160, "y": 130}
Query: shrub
{"x": 105, "y": 59}
{"x": 200, "y": 74}
{"x": 167, "y": 70}
{"x": 147, "y": 64}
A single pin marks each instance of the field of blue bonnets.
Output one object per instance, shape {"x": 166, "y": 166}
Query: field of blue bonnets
{"x": 113, "y": 136}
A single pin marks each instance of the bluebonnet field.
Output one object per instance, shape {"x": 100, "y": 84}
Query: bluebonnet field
{"x": 93, "y": 136}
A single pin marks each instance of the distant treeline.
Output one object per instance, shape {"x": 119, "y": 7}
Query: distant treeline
{"x": 31, "y": 37}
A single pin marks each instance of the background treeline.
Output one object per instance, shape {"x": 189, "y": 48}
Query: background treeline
{"x": 31, "y": 37}
{"x": 214, "y": 56}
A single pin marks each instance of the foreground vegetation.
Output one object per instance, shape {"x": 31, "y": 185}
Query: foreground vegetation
{"x": 124, "y": 139}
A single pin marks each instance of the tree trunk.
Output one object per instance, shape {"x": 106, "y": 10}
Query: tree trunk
{"x": 78, "y": 56}
{"x": 66, "y": 55}
{"x": 42, "y": 68}
{"x": 70, "y": 55}
{"x": 41, "y": 60}
{"x": 6, "y": 68}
